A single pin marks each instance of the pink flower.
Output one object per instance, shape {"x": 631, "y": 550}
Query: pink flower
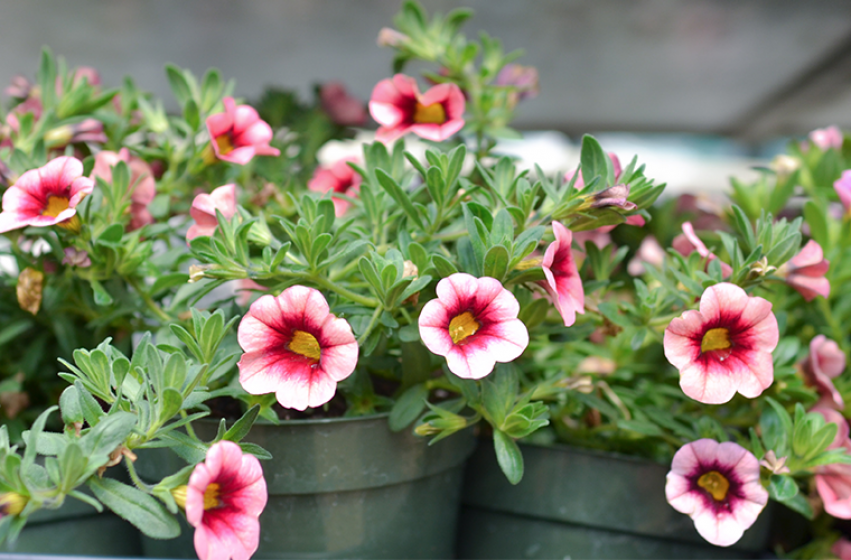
{"x": 342, "y": 108}
{"x": 717, "y": 485}
{"x": 843, "y": 189}
{"x": 649, "y": 252}
{"x": 562, "y": 277}
{"x": 580, "y": 182}
{"x": 824, "y": 363}
{"x": 805, "y": 272}
{"x": 204, "y": 209}
{"x": 337, "y": 179}
{"x": 725, "y": 347}
{"x": 238, "y": 134}
{"x": 399, "y": 107}
{"x": 833, "y": 481}
{"x": 295, "y": 347}
{"x": 245, "y": 290}
{"x": 473, "y": 323}
{"x": 20, "y": 87}
{"x": 73, "y": 257}
{"x": 46, "y": 196}
{"x": 224, "y": 499}
{"x": 142, "y": 186}
{"x": 827, "y": 138}
{"x": 842, "y": 549}
{"x": 88, "y": 73}
{"x": 524, "y": 80}
{"x": 688, "y": 242}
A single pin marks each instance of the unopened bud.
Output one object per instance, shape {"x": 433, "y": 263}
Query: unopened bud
{"x": 179, "y": 495}
{"x": 388, "y": 37}
{"x": 775, "y": 465}
{"x": 785, "y": 165}
{"x": 12, "y": 503}
{"x": 196, "y": 271}
{"x": 760, "y": 268}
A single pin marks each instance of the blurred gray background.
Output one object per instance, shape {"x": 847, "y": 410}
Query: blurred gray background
{"x": 751, "y": 70}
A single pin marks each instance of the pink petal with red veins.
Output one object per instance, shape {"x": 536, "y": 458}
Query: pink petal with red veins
{"x": 335, "y": 333}
{"x": 469, "y": 362}
{"x": 725, "y": 298}
{"x": 257, "y": 134}
{"x": 436, "y": 132}
{"x": 809, "y": 288}
{"x": 757, "y": 373}
{"x": 504, "y": 341}
{"x": 385, "y": 92}
{"x": 833, "y": 483}
{"x": 240, "y": 156}
{"x": 80, "y": 187}
{"x": 218, "y": 124}
{"x": 244, "y": 117}
{"x": 10, "y": 221}
{"x": 391, "y": 134}
{"x": 720, "y": 529}
{"x": 59, "y": 173}
{"x": 679, "y": 495}
{"x": 457, "y": 291}
{"x": 437, "y": 94}
{"x": 707, "y": 384}
{"x": 406, "y": 86}
{"x": 810, "y": 256}
{"x": 683, "y": 337}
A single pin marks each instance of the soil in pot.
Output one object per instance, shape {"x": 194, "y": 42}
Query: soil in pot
{"x": 344, "y": 488}
{"x": 581, "y": 504}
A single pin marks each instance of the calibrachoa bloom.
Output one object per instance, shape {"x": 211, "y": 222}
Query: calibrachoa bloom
{"x": 46, "y": 196}
{"x": 340, "y": 179}
{"x": 833, "y": 482}
{"x": 204, "y": 209}
{"x": 562, "y": 278}
{"x": 649, "y": 252}
{"x": 142, "y": 186}
{"x": 399, "y": 107}
{"x": 473, "y": 323}
{"x": 688, "y": 242}
{"x": 826, "y": 138}
{"x": 342, "y": 108}
{"x": 824, "y": 363}
{"x": 717, "y": 485}
{"x": 295, "y": 347}
{"x": 724, "y": 347}
{"x": 843, "y": 189}
{"x": 805, "y": 272}
{"x": 225, "y": 496}
{"x": 239, "y": 134}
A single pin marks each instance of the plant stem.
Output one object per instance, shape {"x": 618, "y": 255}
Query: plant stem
{"x": 135, "y": 477}
{"x": 371, "y": 325}
{"x": 149, "y": 302}
{"x": 346, "y": 293}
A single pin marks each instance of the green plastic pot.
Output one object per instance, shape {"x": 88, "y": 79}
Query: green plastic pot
{"x": 581, "y": 504}
{"x": 77, "y": 529}
{"x": 345, "y": 488}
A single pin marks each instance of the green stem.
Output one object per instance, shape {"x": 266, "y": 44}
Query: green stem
{"x": 346, "y": 293}
{"x": 149, "y": 302}
{"x": 371, "y": 325}
{"x": 131, "y": 470}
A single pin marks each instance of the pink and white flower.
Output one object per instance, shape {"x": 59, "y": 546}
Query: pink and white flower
{"x": 204, "y": 209}
{"x": 833, "y": 481}
{"x": 827, "y": 138}
{"x": 224, "y": 499}
{"x": 142, "y": 186}
{"x": 843, "y": 189}
{"x": 688, "y": 242}
{"x": 342, "y": 108}
{"x": 239, "y": 134}
{"x": 473, "y": 323}
{"x": 805, "y": 272}
{"x": 824, "y": 363}
{"x": 562, "y": 277}
{"x": 46, "y": 196}
{"x": 842, "y": 549}
{"x": 336, "y": 179}
{"x": 295, "y": 347}
{"x": 649, "y": 252}
{"x": 399, "y": 107}
{"x": 717, "y": 485}
{"x": 724, "y": 347}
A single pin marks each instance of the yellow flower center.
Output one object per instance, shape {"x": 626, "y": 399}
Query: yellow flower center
{"x": 225, "y": 144}
{"x": 462, "y": 326}
{"x": 211, "y": 496}
{"x": 715, "y": 483}
{"x": 12, "y": 503}
{"x": 429, "y": 114}
{"x": 55, "y": 206}
{"x": 715, "y": 339}
{"x": 305, "y": 344}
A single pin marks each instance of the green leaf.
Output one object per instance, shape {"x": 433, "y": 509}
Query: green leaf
{"x": 816, "y": 219}
{"x": 400, "y": 196}
{"x": 782, "y": 488}
{"x": 111, "y": 236}
{"x": 443, "y": 266}
{"x": 509, "y": 456}
{"x": 593, "y": 160}
{"x": 242, "y": 426}
{"x": 102, "y": 297}
{"x": 179, "y": 85}
{"x": 496, "y": 262}
{"x": 137, "y": 507}
{"x": 408, "y": 407}
{"x": 69, "y": 406}
{"x": 170, "y": 403}
{"x": 192, "y": 114}
{"x": 800, "y": 504}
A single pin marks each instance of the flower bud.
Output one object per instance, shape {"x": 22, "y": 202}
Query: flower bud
{"x": 12, "y": 503}
{"x": 388, "y": 37}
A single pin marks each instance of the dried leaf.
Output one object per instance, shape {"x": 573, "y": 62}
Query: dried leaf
{"x": 30, "y": 286}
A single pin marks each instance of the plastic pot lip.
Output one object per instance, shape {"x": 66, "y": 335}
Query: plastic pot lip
{"x": 598, "y": 453}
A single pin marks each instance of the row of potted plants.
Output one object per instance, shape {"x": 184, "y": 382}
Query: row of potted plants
{"x": 216, "y": 298}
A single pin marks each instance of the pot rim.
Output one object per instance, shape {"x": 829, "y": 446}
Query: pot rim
{"x": 307, "y": 421}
